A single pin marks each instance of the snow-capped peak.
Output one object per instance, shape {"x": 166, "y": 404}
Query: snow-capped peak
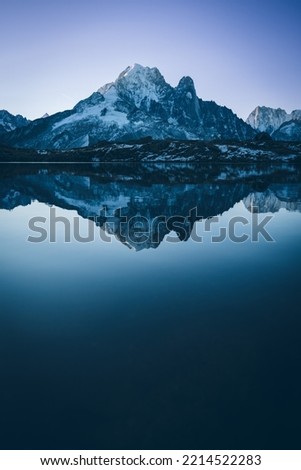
{"x": 266, "y": 119}
{"x": 9, "y": 122}
{"x": 140, "y": 70}
{"x": 103, "y": 89}
{"x": 139, "y": 84}
{"x": 131, "y": 69}
{"x": 296, "y": 115}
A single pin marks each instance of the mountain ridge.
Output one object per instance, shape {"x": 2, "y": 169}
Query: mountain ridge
{"x": 138, "y": 104}
{"x": 271, "y": 120}
{"x": 9, "y": 122}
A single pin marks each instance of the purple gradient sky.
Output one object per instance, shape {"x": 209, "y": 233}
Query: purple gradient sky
{"x": 240, "y": 53}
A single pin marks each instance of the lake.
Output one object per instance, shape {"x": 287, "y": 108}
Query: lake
{"x": 150, "y": 306}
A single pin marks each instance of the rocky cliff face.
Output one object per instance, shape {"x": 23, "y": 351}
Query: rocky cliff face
{"x": 9, "y": 122}
{"x": 265, "y": 119}
{"x": 276, "y": 122}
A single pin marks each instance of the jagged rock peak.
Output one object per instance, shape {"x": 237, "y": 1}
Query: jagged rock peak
{"x": 10, "y": 122}
{"x": 186, "y": 82}
{"x": 186, "y": 85}
{"x": 134, "y": 73}
{"x": 265, "y": 119}
{"x": 137, "y": 70}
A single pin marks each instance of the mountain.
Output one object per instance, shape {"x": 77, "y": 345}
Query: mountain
{"x": 137, "y": 104}
{"x": 9, "y": 122}
{"x": 265, "y": 119}
{"x": 270, "y": 120}
{"x": 289, "y": 131}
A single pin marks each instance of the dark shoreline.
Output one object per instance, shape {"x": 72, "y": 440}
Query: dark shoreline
{"x": 166, "y": 151}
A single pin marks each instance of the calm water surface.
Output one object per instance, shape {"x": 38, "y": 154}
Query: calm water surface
{"x": 150, "y": 344}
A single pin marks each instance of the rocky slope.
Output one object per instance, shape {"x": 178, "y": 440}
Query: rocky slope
{"x": 289, "y": 131}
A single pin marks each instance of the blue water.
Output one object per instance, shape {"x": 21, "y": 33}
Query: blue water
{"x": 182, "y": 345}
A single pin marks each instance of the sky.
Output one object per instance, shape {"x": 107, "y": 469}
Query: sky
{"x": 240, "y": 53}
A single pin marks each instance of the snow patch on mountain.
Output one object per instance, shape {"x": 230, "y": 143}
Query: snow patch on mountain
{"x": 105, "y": 112}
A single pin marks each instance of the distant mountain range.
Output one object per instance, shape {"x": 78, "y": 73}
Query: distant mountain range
{"x": 139, "y": 104}
{"x": 277, "y": 122}
{"x": 9, "y": 122}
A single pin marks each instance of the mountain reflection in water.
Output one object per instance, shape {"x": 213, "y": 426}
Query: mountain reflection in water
{"x": 126, "y": 200}
{"x": 187, "y": 346}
